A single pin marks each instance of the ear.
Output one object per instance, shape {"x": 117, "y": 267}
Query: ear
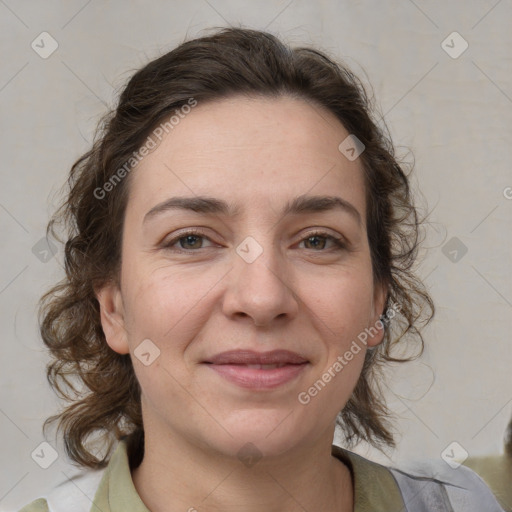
{"x": 378, "y": 304}
{"x": 112, "y": 317}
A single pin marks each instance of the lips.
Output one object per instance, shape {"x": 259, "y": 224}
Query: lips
{"x": 258, "y": 370}
{"x": 249, "y": 357}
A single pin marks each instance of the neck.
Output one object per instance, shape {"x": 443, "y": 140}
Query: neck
{"x": 178, "y": 476}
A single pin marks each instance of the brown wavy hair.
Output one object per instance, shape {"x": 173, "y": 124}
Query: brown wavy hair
{"x": 100, "y": 383}
{"x": 508, "y": 439}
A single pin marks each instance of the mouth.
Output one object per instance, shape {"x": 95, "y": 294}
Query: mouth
{"x": 250, "y": 357}
{"x": 263, "y": 366}
{"x": 258, "y": 370}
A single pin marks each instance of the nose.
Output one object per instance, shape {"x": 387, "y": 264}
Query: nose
{"x": 261, "y": 290}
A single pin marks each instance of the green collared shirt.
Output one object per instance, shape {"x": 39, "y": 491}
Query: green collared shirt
{"x": 375, "y": 489}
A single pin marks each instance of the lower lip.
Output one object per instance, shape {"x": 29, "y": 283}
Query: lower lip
{"x": 254, "y": 378}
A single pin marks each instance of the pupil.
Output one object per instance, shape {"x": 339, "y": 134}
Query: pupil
{"x": 314, "y": 238}
{"x": 189, "y": 239}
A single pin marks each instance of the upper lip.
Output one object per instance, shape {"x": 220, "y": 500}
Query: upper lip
{"x": 252, "y": 357}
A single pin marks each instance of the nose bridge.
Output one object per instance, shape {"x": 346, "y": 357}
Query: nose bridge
{"x": 259, "y": 287}
{"x": 261, "y": 263}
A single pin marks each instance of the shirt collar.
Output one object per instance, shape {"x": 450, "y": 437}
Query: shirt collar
{"x": 375, "y": 489}
{"x": 116, "y": 490}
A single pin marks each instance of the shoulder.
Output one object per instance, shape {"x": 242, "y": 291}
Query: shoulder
{"x": 422, "y": 485}
{"x": 433, "y": 481}
{"x": 496, "y": 471}
{"x": 78, "y": 490}
{"x": 75, "y": 493}
{"x": 39, "y": 505}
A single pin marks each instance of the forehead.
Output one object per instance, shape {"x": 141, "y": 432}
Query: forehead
{"x": 259, "y": 151}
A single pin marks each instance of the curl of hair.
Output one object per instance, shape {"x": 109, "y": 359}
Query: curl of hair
{"x": 508, "y": 439}
{"x": 232, "y": 61}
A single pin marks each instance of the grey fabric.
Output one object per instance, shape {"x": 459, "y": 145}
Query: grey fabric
{"x": 480, "y": 499}
{"x": 421, "y": 494}
{"x": 435, "y": 487}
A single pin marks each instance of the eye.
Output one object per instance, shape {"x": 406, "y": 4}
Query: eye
{"x": 193, "y": 240}
{"x": 318, "y": 241}
{"x": 187, "y": 241}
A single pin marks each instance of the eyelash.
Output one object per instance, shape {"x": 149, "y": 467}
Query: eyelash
{"x": 339, "y": 242}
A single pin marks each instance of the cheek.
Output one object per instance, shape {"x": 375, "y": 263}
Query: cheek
{"x": 342, "y": 303}
{"x": 350, "y": 309}
{"x": 147, "y": 312}
{"x": 167, "y": 305}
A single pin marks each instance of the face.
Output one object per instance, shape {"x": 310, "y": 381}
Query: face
{"x": 241, "y": 285}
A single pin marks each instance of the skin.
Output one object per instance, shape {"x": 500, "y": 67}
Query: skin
{"x": 301, "y": 294}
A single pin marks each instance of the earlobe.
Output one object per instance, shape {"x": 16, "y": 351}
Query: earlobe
{"x": 112, "y": 317}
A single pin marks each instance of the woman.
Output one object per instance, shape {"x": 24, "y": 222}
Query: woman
{"x": 238, "y": 267}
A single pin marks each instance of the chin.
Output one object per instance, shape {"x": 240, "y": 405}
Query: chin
{"x": 260, "y": 433}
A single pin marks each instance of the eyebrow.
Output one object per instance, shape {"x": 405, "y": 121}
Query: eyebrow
{"x": 212, "y": 206}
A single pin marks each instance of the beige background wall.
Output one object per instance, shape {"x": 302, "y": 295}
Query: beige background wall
{"x": 455, "y": 114}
